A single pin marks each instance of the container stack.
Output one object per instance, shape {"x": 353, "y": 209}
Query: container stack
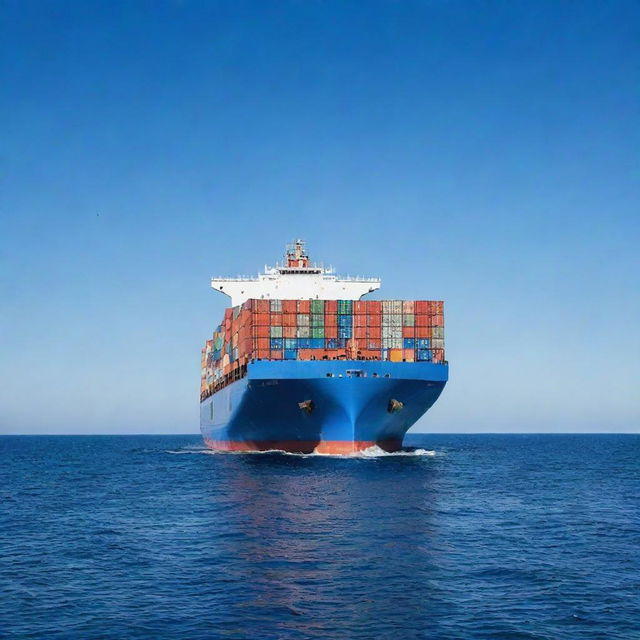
{"x": 394, "y": 330}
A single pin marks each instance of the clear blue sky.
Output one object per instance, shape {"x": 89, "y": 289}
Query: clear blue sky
{"x": 484, "y": 153}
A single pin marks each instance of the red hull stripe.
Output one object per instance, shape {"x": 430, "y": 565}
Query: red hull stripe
{"x": 303, "y": 446}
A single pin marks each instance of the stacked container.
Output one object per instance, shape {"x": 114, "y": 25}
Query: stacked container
{"x": 394, "y": 330}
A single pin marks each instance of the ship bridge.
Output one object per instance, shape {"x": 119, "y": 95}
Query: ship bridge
{"x": 296, "y": 278}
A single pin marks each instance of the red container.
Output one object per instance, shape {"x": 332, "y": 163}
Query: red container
{"x": 276, "y": 355}
{"x": 263, "y": 306}
{"x": 330, "y": 307}
{"x": 360, "y": 320}
{"x": 330, "y": 321}
{"x": 374, "y": 344}
{"x": 374, "y": 320}
{"x": 437, "y": 320}
{"x": 330, "y": 332}
{"x": 408, "y": 332}
{"x": 289, "y": 319}
{"x": 289, "y": 332}
{"x": 304, "y": 306}
{"x": 360, "y": 332}
{"x": 261, "y": 331}
{"x": 423, "y": 320}
{"x": 263, "y": 343}
{"x": 421, "y": 306}
{"x": 373, "y": 307}
{"x": 423, "y": 332}
{"x": 359, "y": 307}
{"x": 276, "y": 319}
{"x": 262, "y": 354}
{"x": 374, "y": 332}
{"x": 289, "y": 306}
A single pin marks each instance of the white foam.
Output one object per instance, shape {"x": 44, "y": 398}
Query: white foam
{"x": 371, "y": 452}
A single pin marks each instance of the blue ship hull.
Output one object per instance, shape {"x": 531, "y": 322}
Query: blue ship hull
{"x": 334, "y": 406}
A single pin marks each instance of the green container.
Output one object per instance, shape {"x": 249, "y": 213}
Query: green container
{"x": 409, "y": 320}
{"x": 276, "y": 332}
{"x": 317, "y": 320}
{"x": 317, "y": 306}
{"x": 317, "y": 332}
{"x": 345, "y": 306}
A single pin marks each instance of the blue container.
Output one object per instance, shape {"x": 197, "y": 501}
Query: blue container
{"x": 345, "y": 321}
{"x": 344, "y": 332}
{"x": 410, "y": 343}
{"x": 332, "y": 343}
{"x": 317, "y": 343}
{"x": 304, "y": 343}
{"x": 290, "y": 354}
{"x": 290, "y": 343}
{"x": 424, "y": 355}
{"x": 276, "y": 343}
{"x": 423, "y": 343}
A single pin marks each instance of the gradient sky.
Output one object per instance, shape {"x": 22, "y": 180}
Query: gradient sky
{"x": 484, "y": 153}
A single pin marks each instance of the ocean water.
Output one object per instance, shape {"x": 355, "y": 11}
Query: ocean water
{"x": 486, "y": 536}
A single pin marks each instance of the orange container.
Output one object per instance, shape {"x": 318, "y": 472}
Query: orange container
{"x": 407, "y": 306}
{"x": 423, "y": 332}
{"x": 408, "y": 355}
{"x": 276, "y": 319}
{"x": 263, "y": 306}
{"x": 330, "y": 332}
{"x": 423, "y": 320}
{"x": 262, "y": 353}
{"x": 437, "y": 320}
{"x": 374, "y": 344}
{"x": 330, "y": 307}
{"x": 304, "y": 306}
{"x": 276, "y": 355}
{"x": 421, "y": 306}
{"x": 408, "y": 332}
{"x": 395, "y": 355}
{"x": 373, "y": 307}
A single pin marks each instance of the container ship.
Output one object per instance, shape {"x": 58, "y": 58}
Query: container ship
{"x": 301, "y": 363}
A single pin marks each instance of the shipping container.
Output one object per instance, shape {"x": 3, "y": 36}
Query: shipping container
{"x": 396, "y": 330}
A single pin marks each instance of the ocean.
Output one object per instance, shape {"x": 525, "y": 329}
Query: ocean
{"x": 470, "y": 536}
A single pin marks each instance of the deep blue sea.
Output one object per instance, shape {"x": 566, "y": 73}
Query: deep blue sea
{"x": 484, "y": 536}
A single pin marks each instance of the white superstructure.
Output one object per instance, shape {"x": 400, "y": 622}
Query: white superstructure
{"x": 296, "y": 279}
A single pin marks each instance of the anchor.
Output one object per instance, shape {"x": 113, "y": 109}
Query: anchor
{"x": 394, "y": 406}
{"x": 307, "y": 405}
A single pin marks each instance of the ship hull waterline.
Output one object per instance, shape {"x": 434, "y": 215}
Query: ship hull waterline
{"x": 329, "y": 407}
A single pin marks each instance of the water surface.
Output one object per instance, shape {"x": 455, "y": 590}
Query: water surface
{"x": 483, "y": 536}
